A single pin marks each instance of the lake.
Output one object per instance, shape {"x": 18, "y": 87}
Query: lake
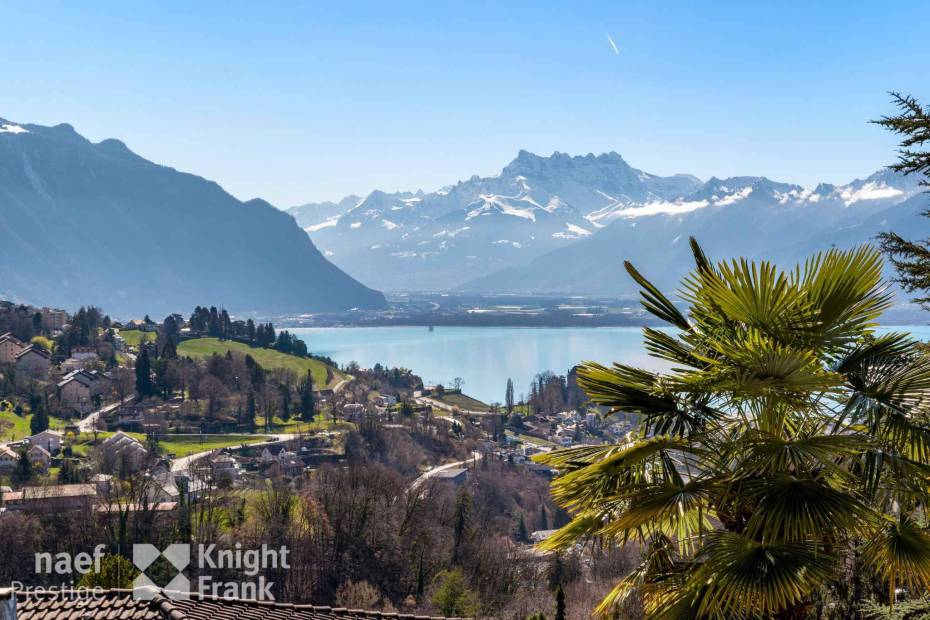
{"x": 486, "y": 356}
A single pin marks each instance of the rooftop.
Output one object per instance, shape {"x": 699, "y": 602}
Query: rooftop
{"x": 119, "y": 604}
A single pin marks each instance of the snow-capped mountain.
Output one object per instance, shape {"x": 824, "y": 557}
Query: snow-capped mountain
{"x": 547, "y": 223}
{"x": 746, "y": 216}
{"x": 442, "y": 239}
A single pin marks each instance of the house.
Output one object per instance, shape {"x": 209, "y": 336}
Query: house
{"x": 10, "y": 347}
{"x": 59, "y": 497}
{"x": 8, "y": 458}
{"x": 103, "y": 482}
{"x": 154, "y": 604}
{"x": 77, "y": 389}
{"x": 32, "y": 363}
{"x": 130, "y": 417}
{"x": 84, "y": 354}
{"x": 40, "y": 457}
{"x": 125, "y": 448}
{"x": 353, "y": 411}
{"x": 456, "y": 476}
{"x": 225, "y": 467}
{"x": 386, "y": 400}
{"x": 48, "y": 439}
{"x": 166, "y": 486}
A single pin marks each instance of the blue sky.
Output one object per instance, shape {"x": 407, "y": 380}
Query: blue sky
{"x": 298, "y": 102}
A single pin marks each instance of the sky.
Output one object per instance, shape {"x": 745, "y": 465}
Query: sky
{"x": 309, "y": 101}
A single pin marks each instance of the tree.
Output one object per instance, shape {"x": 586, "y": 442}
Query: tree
{"x": 786, "y": 442}
{"x": 307, "y": 404}
{"x": 116, "y": 572}
{"x": 39, "y": 421}
{"x": 144, "y": 385}
{"x": 560, "y": 603}
{"x": 457, "y": 383}
{"x": 461, "y": 523}
{"x": 23, "y": 472}
{"x": 522, "y": 534}
{"x": 508, "y": 396}
{"x": 452, "y": 596}
{"x": 910, "y": 258}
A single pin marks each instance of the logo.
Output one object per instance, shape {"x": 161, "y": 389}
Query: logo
{"x": 207, "y": 562}
{"x": 144, "y": 555}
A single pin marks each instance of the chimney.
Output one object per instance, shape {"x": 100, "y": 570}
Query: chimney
{"x": 7, "y": 604}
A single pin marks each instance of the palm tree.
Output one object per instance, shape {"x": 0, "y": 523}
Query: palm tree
{"x": 786, "y": 443}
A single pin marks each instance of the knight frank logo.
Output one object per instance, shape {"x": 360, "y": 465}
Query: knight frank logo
{"x": 143, "y": 556}
{"x": 246, "y": 562}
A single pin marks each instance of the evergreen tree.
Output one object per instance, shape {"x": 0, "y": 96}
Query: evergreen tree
{"x": 452, "y": 596}
{"x": 508, "y": 396}
{"x": 522, "y": 534}
{"x": 250, "y": 410}
{"x": 910, "y": 258}
{"x": 307, "y": 404}
{"x": 559, "y": 603}
{"x": 285, "y": 402}
{"x": 543, "y": 518}
{"x": 461, "y": 523}
{"x": 23, "y": 472}
{"x": 143, "y": 373}
{"x": 39, "y": 421}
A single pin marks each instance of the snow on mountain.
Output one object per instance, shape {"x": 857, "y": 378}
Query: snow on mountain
{"x": 490, "y": 230}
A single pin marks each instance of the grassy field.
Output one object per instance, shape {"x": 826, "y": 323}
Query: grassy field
{"x": 463, "y": 401}
{"x": 268, "y": 358}
{"x": 295, "y": 425}
{"x": 180, "y": 445}
{"x": 134, "y": 336}
{"x": 13, "y": 427}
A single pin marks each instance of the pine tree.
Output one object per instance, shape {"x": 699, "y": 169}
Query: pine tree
{"x": 543, "y": 518}
{"x": 522, "y": 534}
{"x": 23, "y": 472}
{"x": 39, "y": 421}
{"x": 461, "y": 523}
{"x": 508, "y": 396}
{"x": 285, "y": 402}
{"x": 307, "y": 404}
{"x": 910, "y": 258}
{"x": 143, "y": 372}
{"x": 250, "y": 410}
{"x": 560, "y": 603}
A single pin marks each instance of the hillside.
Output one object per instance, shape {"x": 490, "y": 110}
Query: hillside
{"x": 85, "y": 223}
{"x": 267, "y": 358}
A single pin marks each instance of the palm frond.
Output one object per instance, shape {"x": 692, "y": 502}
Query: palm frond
{"x": 900, "y": 552}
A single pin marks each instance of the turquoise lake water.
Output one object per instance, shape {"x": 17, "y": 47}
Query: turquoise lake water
{"x": 486, "y": 356}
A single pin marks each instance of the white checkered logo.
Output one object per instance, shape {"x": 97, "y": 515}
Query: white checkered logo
{"x": 143, "y": 556}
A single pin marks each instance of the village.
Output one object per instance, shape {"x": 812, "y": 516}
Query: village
{"x": 78, "y": 424}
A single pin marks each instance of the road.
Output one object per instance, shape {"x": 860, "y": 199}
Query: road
{"x": 423, "y": 400}
{"x": 88, "y": 423}
{"x": 440, "y": 468}
{"x": 184, "y": 463}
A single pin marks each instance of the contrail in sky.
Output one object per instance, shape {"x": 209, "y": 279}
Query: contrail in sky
{"x": 613, "y": 45}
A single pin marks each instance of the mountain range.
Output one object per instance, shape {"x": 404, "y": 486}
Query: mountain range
{"x": 94, "y": 223}
{"x": 565, "y": 224}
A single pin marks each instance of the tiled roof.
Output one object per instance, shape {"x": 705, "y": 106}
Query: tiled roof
{"x": 120, "y": 605}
